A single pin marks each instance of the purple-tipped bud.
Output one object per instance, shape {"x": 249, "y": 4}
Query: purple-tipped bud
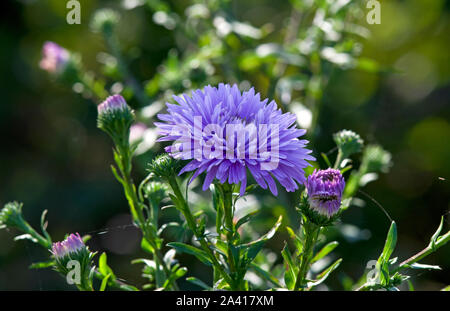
{"x": 325, "y": 188}
{"x": 112, "y": 103}
{"x": 115, "y": 118}
{"x": 73, "y": 244}
{"x": 54, "y": 58}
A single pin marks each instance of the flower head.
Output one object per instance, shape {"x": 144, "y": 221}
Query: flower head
{"x": 70, "y": 246}
{"x": 225, "y": 132}
{"x": 325, "y": 188}
{"x": 54, "y": 58}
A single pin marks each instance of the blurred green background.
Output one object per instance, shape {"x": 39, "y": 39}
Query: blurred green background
{"x": 53, "y": 156}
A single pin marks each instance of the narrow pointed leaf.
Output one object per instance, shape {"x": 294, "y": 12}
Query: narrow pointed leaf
{"x": 185, "y": 248}
{"x": 325, "y": 251}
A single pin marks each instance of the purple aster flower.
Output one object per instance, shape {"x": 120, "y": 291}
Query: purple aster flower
{"x": 73, "y": 244}
{"x": 225, "y": 132}
{"x": 112, "y": 103}
{"x": 54, "y": 57}
{"x": 325, "y": 188}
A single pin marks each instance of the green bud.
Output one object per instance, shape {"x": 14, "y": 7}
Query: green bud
{"x": 155, "y": 191}
{"x": 376, "y": 159}
{"x": 104, "y": 21}
{"x": 164, "y": 166}
{"x": 11, "y": 215}
{"x": 348, "y": 142}
{"x": 313, "y": 216}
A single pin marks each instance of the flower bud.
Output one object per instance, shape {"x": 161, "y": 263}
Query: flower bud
{"x": 164, "y": 166}
{"x": 324, "y": 190}
{"x": 348, "y": 142}
{"x": 104, "y": 21}
{"x": 155, "y": 192}
{"x": 115, "y": 118}
{"x": 375, "y": 159}
{"x": 11, "y": 215}
{"x": 71, "y": 254}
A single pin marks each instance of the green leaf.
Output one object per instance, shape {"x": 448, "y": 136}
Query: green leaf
{"x": 245, "y": 219}
{"x": 42, "y": 265}
{"x": 44, "y": 225}
{"x": 104, "y": 282}
{"x": 174, "y": 276}
{"x": 419, "y": 266}
{"x": 198, "y": 282}
{"x": 296, "y": 239}
{"x": 26, "y": 237}
{"x": 325, "y": 158}
{"x": 167, "y": 225}
{"x": 325, "y": 251}
{"x": 446, "y": 288}
{"x": 436, "y": 235}
{"x": 290, "y": 275}
{"x": 383, "y": 260}
{"x": 185, "y": 248}
{"x": 266, "y": 275}
{"x": 103, "y": 267}
{"x": 147, "y": 247}
{"x": 324, "y": 275}
{"x": 390, "y": 243}
{"x": 175, "y": 201}
{"x": 116, "y": 174}
{"x": 252, "y": 249}
{"x": 221, "y": 247}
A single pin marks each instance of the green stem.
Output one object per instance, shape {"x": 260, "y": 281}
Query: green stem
{"x": 25, "y": 227}
{"x": 193, "y": 226}
{"x": 338, "y": 160}
{"x": 227, "y": 193}
{"x": 311, "y": 234}
{"x": 115, "y": 283}
{"x": 136, "y": 208}
{"x": 442, "y": 240}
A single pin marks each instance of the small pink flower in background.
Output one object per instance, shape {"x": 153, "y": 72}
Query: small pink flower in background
{"x": 54, "y": 57}
{"x": 73, "y": 244}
